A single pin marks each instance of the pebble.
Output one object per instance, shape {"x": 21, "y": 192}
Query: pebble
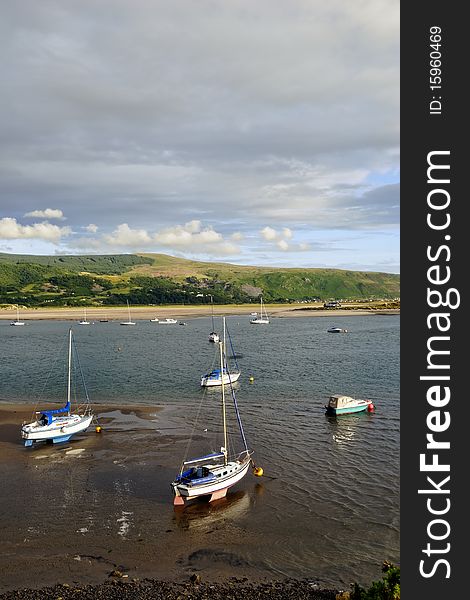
{"x": 195, "y": 589}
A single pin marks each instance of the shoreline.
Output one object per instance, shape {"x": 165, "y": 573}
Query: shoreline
{"x": 152, "y": 589}
{"x": 195, "y": 311}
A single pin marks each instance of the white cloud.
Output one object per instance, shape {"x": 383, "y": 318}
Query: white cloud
{"x": 269, "y": 233}
{"x": 281, "y": 239}
{"x": 48, "y": 213}
{"x": 10, "y": 229}
{"x": 123, "y": 235}
{"x": 193, "y": 237}
{"x": 237, "y": 236}
{"x": 92, "y": 228}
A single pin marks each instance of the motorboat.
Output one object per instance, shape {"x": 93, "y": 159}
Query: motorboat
{"x": 339, "y": 404}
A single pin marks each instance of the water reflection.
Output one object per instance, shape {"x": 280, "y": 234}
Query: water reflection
{"x": 343, "y": 428}
{"x": 201, "y": 515}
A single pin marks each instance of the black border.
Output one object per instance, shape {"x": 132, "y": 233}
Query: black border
{"x": 422, "y": 132}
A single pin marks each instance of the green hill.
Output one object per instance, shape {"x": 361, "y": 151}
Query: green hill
{"x": 163, "y": 279}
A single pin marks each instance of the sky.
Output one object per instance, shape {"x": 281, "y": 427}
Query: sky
{"x": 262, "y": 133}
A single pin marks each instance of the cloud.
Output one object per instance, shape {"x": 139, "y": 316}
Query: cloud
{"x": 193, "y": 237}
{"x": 91, "y": 228}
{"x": 48, "y": 213}
{"x": 269, "y": 233}
{"x": 231, "y": 129}
{"x": 10, "y": 229}
{"x": 124, "y": 236}
{"x": 280, "y": 239}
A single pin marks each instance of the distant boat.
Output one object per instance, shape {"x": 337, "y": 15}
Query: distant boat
{"x": 105, "y": 320}
{"x": 128, "y": 322}
{"x": 181, "y": 323}
{"x": 222, "y": 376}
{"x": 60, "y": 424}
{"x": 17, "y": 323}
{"x": 337, "y": 330}
{"x": 213, "y": 474}
{"x": 156, "y": 320}
{"x": 84, "y": 320}
{"x": 167, "y": 321}
{"x": 343, "y": 405}
{"x": 263, "y": 319}
{"x": 213, "y": 335}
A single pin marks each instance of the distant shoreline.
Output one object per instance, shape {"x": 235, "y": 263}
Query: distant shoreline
{"x": 118, "y": 313}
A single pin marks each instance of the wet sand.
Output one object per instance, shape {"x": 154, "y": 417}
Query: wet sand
{"x": 99, "y": 509}
{"x": 186, "y": 312}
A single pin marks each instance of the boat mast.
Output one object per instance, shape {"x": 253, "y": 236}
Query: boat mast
{"x": 69, "y": 381}
{"x": 222, "y": 353}
{"x": 212, "y": 307}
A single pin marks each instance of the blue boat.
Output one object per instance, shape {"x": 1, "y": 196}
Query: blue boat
{"x": 344, "y": 405}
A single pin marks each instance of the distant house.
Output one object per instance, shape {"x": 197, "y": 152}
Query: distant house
{"x": 331, "y": 304}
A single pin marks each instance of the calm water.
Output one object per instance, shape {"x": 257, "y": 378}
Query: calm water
{"x": 329, "y": 504}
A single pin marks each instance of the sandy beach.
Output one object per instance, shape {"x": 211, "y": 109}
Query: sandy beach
{"x": 187, "y": 312}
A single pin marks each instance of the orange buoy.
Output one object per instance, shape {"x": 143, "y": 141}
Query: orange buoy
{"x": 98, "y": 429}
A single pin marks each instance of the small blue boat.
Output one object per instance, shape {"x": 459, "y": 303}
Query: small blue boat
{"x": 344, "y": 405}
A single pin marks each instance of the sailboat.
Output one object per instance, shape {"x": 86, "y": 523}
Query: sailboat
{"x": 59, "y": 424}
{"x": 129, "y": 322}
{"x": 213, "y": 335}
{"x": 222, "y": 376}
{"x": 263, "y": 318}
{"x": 84, "y": 320}
{"x": 17, "y": 322}
{"x": 213, "y": 474}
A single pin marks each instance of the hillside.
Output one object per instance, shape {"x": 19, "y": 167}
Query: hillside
{"x": 163, "y": 279}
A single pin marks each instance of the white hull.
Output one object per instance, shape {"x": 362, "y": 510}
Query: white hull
{"x": 235, "y": 472}
{"x": 59, "y": 428}
{"x": 209, "y": 382}
{"x": 214, "y": 337}
{"x": 128, "y": 323}
{"x": 168, "y": 322}
{"x": 259, "y": 321}
{"x": 17, "y": 323}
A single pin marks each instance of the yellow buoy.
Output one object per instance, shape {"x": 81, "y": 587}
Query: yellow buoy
{"x": 98, "y": 429}
{"x": 258, "y": 471}
{"x": 252, "y": 379}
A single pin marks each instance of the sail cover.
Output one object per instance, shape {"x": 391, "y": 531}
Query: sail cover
{"x": 204, "y": 458}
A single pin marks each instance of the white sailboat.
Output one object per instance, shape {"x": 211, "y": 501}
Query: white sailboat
{"x": 263, "y": 318}
{"x": 167, "y": 321}
{"x": 213, "y": 474}
{"x": 84, "y": 320}
{"x": 222, "y": 376}
{"x": 128, "y": 322}
{"x": 213, "y": 335}
{"x": 60, "y": 424}
{"x": 17, "y": 322}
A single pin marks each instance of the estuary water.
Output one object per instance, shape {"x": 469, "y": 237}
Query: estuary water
{"x": 328, "y": 505}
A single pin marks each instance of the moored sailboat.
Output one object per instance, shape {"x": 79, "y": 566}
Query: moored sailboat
{"x": 222, "y": 375}
{"x": 58, "y": 425}
{"x": 263, "y": 318}
{"x": 213, "y": 474}
{"x": 129, "y": 321}
{"x": 17, "y": 322}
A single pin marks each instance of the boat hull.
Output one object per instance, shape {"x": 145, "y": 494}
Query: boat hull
{"x": 210, "y": 382}
{"x": 215, "y": 489}
{"x": 259, "y": 321}
{"x": 347, "y": 410}
{"x": 60, "y": 430}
